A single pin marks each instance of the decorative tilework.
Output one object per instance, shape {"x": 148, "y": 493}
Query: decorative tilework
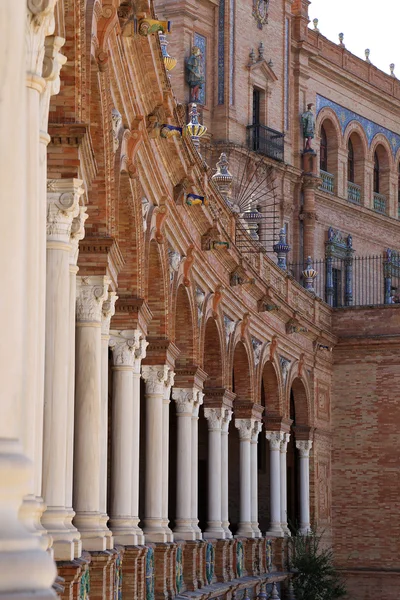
{"x": 371, "y": 129}
{"x": 84, "y": 587}
{"x": 210, "y": 562}
{"x": 150, "y": 574}
{"x": 221, "y": 52}
{"x": 239, "y": 559}
{"x": 268, "y": 555}
{"x": 118, "y": 579}
{"x": 201, "y": 42}
{"x": 231, "y": 51}
{"x": 179, "y": 570}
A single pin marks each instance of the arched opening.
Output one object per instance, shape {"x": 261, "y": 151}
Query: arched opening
{"x": 156, "y": 294}
{"x": 350, "y": 162}
{"x": 381, "y": 179}
{"x": 241, "y": 382}
{"x": 377, "y": 173}
{"x": 355, "y": 168}
{"x": 323, "y": 155}
{"x": 328, "y": 156}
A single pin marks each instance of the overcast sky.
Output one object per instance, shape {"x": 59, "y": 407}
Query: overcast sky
{"x": 373, "y": 24}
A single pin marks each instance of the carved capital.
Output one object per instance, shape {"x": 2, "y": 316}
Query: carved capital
{"x": 140, "y": 354}
{"x": 123, "y": 345}
{"x": 284, "y": 442}
{"x": 91, "y": 292}
{"x": 77, "y": 234}
{"x": 62, "y": 207}
{"x": 107, "y": 312}
{"x": 214, "y": 418}
{"x": 168, "y": 385}
{"x": 155, "y": 377}
{"x": 39, "y": 24}
{"x": 304, "y": 447}
{"x": 256, "y": 431}
{"x": 197, "y": 403}
{"x": 245, "y": 428}
{"x": 184, "y": 399}
{"x": 275, "y": 438}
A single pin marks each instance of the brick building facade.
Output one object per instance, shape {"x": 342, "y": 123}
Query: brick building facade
{"x": 179, "y": 404}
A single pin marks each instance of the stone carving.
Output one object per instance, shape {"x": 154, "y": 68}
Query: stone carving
{"x": 53, "y": 61}
{"x": 199, "y": 297}
{"x": 168, "y": 385}
{"x": 155, "y": 377}
{"x": 285, "y": 365}
{"x": 91, "y": 292}
{"x": 116, "y": 120}
{"x": 214, "y": 418}
{"x": 245, "y": 428}
{"x": 304, "y": 447}
{"x": 260, "y": 12}
{"x": 256, "y": 431}
{"x": 62, "y": 208}
{"x": 140, "y": 354}
{"x": 275, "y": 438}
{"x": 199, "y": 399}
{"x": 195, "y": 74}
{"x": 284, "y": 442}
{"x": 77, "y": 234}
{"x": 145, "y": 212}
{"x": 40, "y": 23}
{"x": 108, "y": 311}
{"x": 123, "y": 345}
{"x": 174, "y": 259}
{"x": 226, "y": 419}
{"x": 229, "y": 325}
{"x": 257, "y": 348}
{"x": 184, "y": 399}
{"x": 308, "y": 124}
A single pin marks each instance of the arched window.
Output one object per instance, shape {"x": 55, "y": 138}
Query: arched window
{"x": 350, "y": 162}
{"x": 398, "y": 188}
{"x": 323, "y": 155}
{"x": 376, "y": 174}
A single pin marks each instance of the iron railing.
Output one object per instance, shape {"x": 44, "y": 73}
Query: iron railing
{"x": 380, "y": 203}
{"x": 355, "y": 281}
{"x": 353, "y": 192}
{"x": 266, "y": 141}
{"x": 328, "y": 181}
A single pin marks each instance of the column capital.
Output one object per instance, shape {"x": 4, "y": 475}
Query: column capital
{"x": 284, "y": 442}
{"x": 62, "y": 207}
{"x": 185, "y": 399}
{"x": 155, "y": 377}
{"x": 91, "y": 292}
{"x": 275, "y": 438}
{"x": 124, "y": 345}
{"x": 214, "y": 418}
{"x": 304, "y": 447}
{"x": 245, "y": 427}
{"x": 226, "y": 419}
{"x": 108, "y": 311}
{"x": 199, "y": 399}
{"x": 40, "y": 23}
{"x": 168, "y": 385}
{"x": 77, "y": 234}
{"x": 256, "y": 431}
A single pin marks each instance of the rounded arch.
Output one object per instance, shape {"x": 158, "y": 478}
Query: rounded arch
{"x": 184, "y": 328}
{"x": 382, "y": 158}
{"x": 241, "y": 372}
{"x": 298, "y": 401}
{"x": 380, "y": 144}
{"x": 329, "y": 141}
{"x": 354, "y": 128}
{"x": 213, "y": 363}
{"x": 270, "y": 387}
{"x": 357, "y": 151}
{"x": 156, "y": 292}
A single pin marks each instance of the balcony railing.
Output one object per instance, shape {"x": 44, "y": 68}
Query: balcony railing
{"x": 353, "y": 192}
{"x": 328, "y": 181}
{"x": 266, "y": 141}
{"x": 380, "y": 203}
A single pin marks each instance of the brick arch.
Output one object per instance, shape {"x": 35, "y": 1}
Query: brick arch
{"x": 184, "y": 333}
{"x": 213, "y": 363}
{"x": 270, "y": 388}
{"x": 381, "y": 144}
{"x": 156, "y": 291}
{"x": 355, "y": 129}
{"x": 241, "y": 373}
{"x": 302, "y": 399}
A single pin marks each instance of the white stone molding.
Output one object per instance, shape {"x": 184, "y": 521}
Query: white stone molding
{"x": 91, "y": 292}
{"x": 304, "y": 447}
{"x": 199, "y": 297}
{"x": 226, "y": 419}
{"x": 145, "y": 212}
{"x": 275, "y": 438}
{"x": 155, "y": 378}
{"x": 256, "y": 431}
{"x": 198, "y": 401}
{"x": 62, "y": 207}
{"x": 140, "y": 354}
{"x": 123, "y": 345}
{"x": 116, "y": 120}
{"x": 184, "y": 399}
{"x": 245, "y": 428}
{"x": 174, "y": 259}
{"x": 214, "y": 418}
{"x": 77, "y": 234}
{"x": 284, "y": 442}
{"x": 107, "y": 312}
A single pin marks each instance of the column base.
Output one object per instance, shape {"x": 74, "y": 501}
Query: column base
{"x": 286, "y": 530}
{"x": 256, "y": 529}
{"x": 304, "y": 529}
{"x": 75, "y": 533}
{"x": 92, "y": 532}
{"x": 245, "y": 530}
{"x": 168, "y": 531}
{"x": 184, "y": 530}
{"x": 228, "y": 532}
{"x": 197, "y": 531}
{"x": 214, "y": 533}
{"x": 107, "y": 532}
{"x": 123, "y": 531}
{"x": 275, "y": 531}
{"x": 57, "y": 521}
{"x": 154, "y": 531}
{"x": 30, "y": 514}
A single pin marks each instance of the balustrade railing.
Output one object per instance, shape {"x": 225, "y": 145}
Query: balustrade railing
{"x": 380, "y": 203}
{"x": 328, "y": 181}
{"x": 353, "y": 192}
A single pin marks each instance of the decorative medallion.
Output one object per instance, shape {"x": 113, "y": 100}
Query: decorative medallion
{"x": 210, "y": 562}
{"x": 260, "y": 12}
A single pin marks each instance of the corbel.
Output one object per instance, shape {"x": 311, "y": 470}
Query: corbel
{"x": 267, "y": 304}
{"x": 273, "y": 347}
{"x": 294, "y": 326}
{"x": 107, "y": 22}
{"x": 210, "y": 236}
{"x": 217, "y": 297}
{"x": 161, "y": 213}
{"x": 131, "y": 141}
{"x": 239, "y": 277}
{"x": 187, "y": 266}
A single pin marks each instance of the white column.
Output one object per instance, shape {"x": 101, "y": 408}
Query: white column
{"x": 140, "y": 354}
{"x": 155, "y": 378}
{"x": 275, "y": 438}
{"x": 245, "y": 427}
{"x": 165, "y": 442}
{"x": 91, "y": 293}
{"x": 123, "y": 346}
{"x": 304, "y": 447}
{"x": 283, "y": 450}
{"x": 19, "y": 550}
{"x": 227, "y": 416}
{"x": 107, "y": 313}
{"x": 195, "y": 465}
{"x": 62, "y": 206}
{"x": 254, "y": 478}
{"x": 214, "y": 525}
{"x": 184, "y": 399}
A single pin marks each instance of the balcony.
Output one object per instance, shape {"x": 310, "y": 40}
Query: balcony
{"x": 327, "y": 182}
{"x": 266, "y": 141}
{"x": 353, "y": 193}
{"x": 380, "y": 203}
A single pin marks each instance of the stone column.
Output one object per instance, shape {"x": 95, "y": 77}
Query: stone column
{"x": 245, "y": 427}
{"x": 19, "y": 549}
{"x": 214, "y": 525}
{"x": 62, "y": 206}
{"x": 254, "y": 478}
{"x": 77, "y": 234}
{"x": 155, "y": 377}
{"x": 107, "y": 313}
{"x": 195, "y": 465}
{"x": 283, "y": 450}
{"x": 91, "y": 294}
{"x": 140, "y": 354}
{"x": 165, "y": 440}
{"x": 275, "y": 438}
{"x": 184, "y": 399}
{"x": 123, "y": 346}
{"x": 304, "y": 447}
{"x": 227, "y": 416}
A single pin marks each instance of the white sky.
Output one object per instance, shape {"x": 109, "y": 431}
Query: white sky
{"x": 373, "y": 24}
